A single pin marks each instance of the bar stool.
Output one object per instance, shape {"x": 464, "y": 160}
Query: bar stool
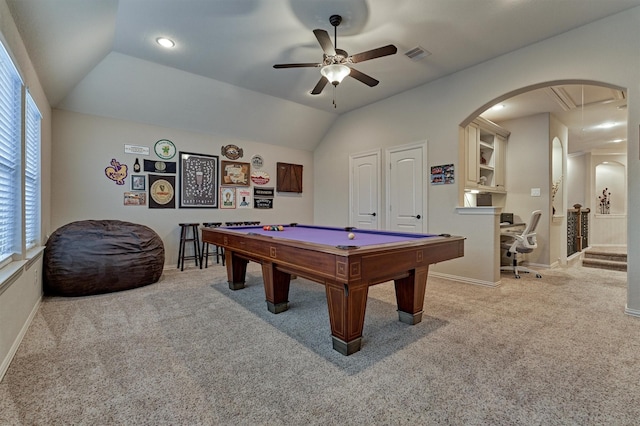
{"x": 184, "y": 238}
{"x": 219, "y": 251}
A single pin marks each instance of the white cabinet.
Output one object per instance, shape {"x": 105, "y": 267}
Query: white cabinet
{"x": 485, "y": 146}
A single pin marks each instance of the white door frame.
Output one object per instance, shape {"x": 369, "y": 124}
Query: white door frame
{"x": 425, "y": 178}
{"x": 352, "y": 157}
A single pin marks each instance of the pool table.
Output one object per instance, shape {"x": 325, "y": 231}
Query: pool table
{"x": 346, "y": 267}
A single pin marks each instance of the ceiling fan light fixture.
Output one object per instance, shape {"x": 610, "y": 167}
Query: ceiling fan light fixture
{"x": 335, "y": 73}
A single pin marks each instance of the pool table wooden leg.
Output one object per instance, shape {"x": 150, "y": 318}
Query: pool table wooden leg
{"x": 236, "y": 270}
{"x": 276, "y": 288}
{"x": 347, "y": 305}
{"x": 410, "y": 295}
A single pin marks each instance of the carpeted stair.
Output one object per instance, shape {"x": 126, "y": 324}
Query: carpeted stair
{"x": 605, "y": 260}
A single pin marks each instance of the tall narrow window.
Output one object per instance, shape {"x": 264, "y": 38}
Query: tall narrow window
{"x": 10, "y": 148}
{"x": 32, "y": 173}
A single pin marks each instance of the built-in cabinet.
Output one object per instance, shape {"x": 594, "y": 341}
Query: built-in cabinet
{"x": 485, "y": 154}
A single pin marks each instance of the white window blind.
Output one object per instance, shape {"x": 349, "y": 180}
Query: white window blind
{"x": 10, "y": 144}
{"x": 32, "y": 173}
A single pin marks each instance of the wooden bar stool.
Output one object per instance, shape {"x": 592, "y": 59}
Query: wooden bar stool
{"x": 218, "y": 252}
{"x": 184, "y": 238}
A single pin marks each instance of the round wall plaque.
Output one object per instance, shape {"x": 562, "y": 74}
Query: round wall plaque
{"x": 232, "y": 152}
{"x": 165, "y": 149}
{"x": 257, "y": 161}
{"x": 259, "y": 177}
{"x": 161, "y": 191}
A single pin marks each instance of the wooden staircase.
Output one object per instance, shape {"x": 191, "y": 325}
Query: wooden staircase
{"x": 605, "y": 260}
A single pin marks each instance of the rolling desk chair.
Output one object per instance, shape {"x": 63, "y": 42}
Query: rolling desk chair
{"x": 524, "y": 242}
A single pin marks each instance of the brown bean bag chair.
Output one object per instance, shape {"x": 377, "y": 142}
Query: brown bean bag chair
{"x": 101, "y": 256}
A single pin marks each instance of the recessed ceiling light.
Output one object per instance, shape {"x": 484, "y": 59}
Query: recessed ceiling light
{"x": 617, "y": 140}
{"x": 497, "y": 107}
{"x": 165, "y": 42}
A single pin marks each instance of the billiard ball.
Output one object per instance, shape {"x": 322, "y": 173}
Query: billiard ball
{"x": 351, "y": 235}
{"x": 280, "y": 228}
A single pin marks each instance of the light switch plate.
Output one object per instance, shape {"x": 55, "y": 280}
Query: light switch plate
{"x": 535, "y": 192}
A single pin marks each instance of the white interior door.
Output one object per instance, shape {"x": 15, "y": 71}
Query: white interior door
{"x": 365, "y": 190}
{"x": 405, "y": 187}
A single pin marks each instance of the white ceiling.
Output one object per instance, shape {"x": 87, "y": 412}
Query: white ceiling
{"x": 238, "y": 41}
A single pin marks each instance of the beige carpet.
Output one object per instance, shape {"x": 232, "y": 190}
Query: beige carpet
{"x": 188, "y": 351}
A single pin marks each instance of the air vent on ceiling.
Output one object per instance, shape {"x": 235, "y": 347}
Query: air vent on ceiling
{"x": 418, "y": 53}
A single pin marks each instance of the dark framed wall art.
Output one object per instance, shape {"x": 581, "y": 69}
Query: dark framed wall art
{"x": 198, "y": 180}
{"x": 235, "y": 173}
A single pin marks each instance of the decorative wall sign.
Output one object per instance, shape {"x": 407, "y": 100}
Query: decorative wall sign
{"x": 161, "y": 192}
{"x": 263, "y": 203}
{"x": 159, "y": 166}
{"x": 165, "y": 149}
{"x": 257, "y": 162}
{"x": 198, "y": 180}
{"x": 232, "y": 152}
{"x": 135, "y": 149}
{"x": 243, "y": 196}
{"x": 441, "y": 175}
{"x": 138, "y": 182}
{"x": 135, "y": 198}
{"x": 116, "y": 172}
{"x": 260, "y": 177}
{"x": 263, "y": 192}
{"x": 235, "y": 173}
{"x": 227, "y": 198}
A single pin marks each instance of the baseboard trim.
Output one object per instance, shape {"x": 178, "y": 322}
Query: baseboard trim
{"x": 16, "y": 344}
{"x": 632, "y": 312}
{"x": 464, "y": 280}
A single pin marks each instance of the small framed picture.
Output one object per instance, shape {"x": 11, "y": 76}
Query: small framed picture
{"x": 227, "y": 198}
{"x": 138, "y": 182}
{"x": 235, "y": 173}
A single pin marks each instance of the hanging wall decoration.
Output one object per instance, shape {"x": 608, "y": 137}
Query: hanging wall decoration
{"x": 260, "y": 177}
{"x": 244, "y": 198}
{"x": 235, "y": 173}
{"x": 159, "y": 166}
{"x": 441, "y": 175}
{"x": 227, "y": 198}
{"x": 135, "y": 198}
{"x": 161, "y": 192}
{"x": 198, "y": 180}
{"x": 232, "y": 152}
{"x": 116, "y": 172}
{"x": 165, "y": 149}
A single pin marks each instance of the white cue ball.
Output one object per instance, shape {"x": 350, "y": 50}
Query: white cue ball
{"x": 351, "y": 235}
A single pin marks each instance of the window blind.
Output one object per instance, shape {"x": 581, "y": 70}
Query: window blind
{"x": 32, "y": 173}
{"x": 10, "y": 144}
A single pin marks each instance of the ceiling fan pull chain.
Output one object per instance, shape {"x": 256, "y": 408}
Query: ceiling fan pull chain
{"x": 334, "y": 97}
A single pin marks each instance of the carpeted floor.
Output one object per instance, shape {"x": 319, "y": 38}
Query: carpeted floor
{"x": 189, "y": 351}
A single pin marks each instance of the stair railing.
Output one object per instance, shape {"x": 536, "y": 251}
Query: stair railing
{"x": 577, "y": 229}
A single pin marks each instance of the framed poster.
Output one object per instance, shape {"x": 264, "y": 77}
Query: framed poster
{"x": 162, "y": 192}
{"x": 244, "y": 198}
{"x": 228, "y": 197}
{"x": 135, "y": 198}
{"x": 235, "y": 173}
{"x": 198, "y": 180}
{"x": 138, "y": 182}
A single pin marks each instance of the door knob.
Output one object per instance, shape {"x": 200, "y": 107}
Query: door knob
{"x": 417, "y": 217}
{"x": 372, "y": 214}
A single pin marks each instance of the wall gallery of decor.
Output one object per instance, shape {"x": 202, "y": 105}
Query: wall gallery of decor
{"x": 203, "y": 181}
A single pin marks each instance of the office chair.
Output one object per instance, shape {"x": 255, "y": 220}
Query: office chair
{"x": 522, "y": 243}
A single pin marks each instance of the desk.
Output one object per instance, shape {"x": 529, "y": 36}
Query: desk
{"x": 345, "y": 267}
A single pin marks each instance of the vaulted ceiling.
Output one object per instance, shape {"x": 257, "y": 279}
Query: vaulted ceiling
{"x": 87, "y": 46}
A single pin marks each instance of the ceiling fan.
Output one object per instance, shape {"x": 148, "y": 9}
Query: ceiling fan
{"x": 336, "y": 63}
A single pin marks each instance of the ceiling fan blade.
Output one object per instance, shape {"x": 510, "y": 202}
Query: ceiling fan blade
{"x": 368, "y": 80}
{"x": 307, "y": 65}
{"x": 374, "y": 53}
{"x": 325, "y": 42}
{"x": 319, "y": 86}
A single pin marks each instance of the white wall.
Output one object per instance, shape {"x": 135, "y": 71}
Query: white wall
{"x": 20, "y": 296}
{"x": 577, "y": 180}
{"x": 528, "y": 167}
{"x": 604, "y": 51}
{"x": 85, "y": 144}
